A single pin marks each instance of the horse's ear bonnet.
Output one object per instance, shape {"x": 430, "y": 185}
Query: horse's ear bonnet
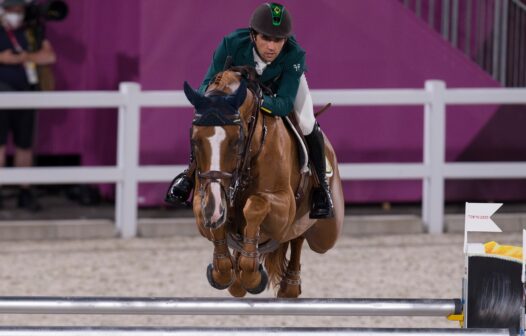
{"x": 216, "y": 110}
{"x": 194, "y": 97}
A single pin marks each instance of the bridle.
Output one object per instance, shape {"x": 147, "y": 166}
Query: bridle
{"x": 240, "y": 177}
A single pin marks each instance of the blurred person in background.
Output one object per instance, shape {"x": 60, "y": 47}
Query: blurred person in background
{"x": 268, "y": 45}
{"x": 21, "y": 51}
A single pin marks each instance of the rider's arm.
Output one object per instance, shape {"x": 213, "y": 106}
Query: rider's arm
{"x": 43, "y": 56}
{"x": 218, "y": 61}
{"x": 282, "y": 103}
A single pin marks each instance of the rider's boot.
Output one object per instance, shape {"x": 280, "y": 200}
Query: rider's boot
{"x": 321, "y": 206}
{"x": 182, "y": 185}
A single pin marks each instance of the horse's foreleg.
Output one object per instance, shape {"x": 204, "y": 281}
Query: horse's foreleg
{"x": 253, "y": 276}
{"x": 290, "y": 286}
{"x": 220, "y": 273}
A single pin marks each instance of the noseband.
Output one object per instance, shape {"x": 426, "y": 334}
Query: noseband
{"x": 212, "y": 176}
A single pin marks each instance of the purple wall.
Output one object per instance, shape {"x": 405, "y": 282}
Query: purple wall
{"x": 349, "y": 44}
{"x": 97, "y": 47}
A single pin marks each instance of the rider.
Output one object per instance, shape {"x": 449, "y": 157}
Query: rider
{"x": 269, "y": 46}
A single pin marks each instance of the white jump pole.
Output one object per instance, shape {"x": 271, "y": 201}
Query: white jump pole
{"x": 122, "y": 331}
{"x": 218, "y": 306}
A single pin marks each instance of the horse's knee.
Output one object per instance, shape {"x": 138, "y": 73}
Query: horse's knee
{"x": 204, "y": 232}
{"x": 321, "y": 249}
{"x": 318, "y": 243}
{"x": 256, "y": 207}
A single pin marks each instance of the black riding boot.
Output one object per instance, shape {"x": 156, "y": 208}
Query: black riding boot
{"x": 321, "y": 206}
{"x": 182, "y": 185}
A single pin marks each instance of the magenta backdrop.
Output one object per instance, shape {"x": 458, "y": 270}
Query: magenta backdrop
{"x": 349, "y": 44}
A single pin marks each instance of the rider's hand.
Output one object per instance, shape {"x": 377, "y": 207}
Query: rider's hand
{"x": 9, "y": 57}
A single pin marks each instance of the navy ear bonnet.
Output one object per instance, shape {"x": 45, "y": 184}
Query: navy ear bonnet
{"x": 217, "y": 108}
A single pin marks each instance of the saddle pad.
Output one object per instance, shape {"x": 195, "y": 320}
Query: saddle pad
{"x": 303, "y": 153}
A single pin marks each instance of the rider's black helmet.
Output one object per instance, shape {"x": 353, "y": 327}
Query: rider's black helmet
{"x": 271, "y": 19}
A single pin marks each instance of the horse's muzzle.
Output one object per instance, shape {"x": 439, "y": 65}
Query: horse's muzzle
{"x": 215, "y": 224}
{"x": 214, "y": 209}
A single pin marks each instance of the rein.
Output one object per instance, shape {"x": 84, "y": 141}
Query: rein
{"x": 241, "y": 177}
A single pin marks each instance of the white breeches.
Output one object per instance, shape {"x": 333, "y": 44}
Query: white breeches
{"x": 303, "y": 107}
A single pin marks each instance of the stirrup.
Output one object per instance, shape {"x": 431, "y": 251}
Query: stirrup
{"x": 321, "y": 204}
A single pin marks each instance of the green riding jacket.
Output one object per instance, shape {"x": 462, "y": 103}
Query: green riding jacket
{"x": 282, "y": 75}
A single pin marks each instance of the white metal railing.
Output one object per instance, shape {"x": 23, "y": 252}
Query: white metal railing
{"x": 490, "y": 32}
{"x": 127, "y": 173}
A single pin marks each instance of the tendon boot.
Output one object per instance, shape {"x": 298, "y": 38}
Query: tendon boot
{"x": 321, "y": 206}
{"x": 182, "y": 185}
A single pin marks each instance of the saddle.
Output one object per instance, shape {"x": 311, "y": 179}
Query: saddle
{"x": 303, "y": 155}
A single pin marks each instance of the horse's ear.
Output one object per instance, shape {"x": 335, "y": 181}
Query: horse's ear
{"x": 228, "y": 63}
{"x": 194, "y": 97}
{"x": 237, "y": 99}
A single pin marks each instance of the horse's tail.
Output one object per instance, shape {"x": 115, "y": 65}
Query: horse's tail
{"x": 276, "y": 263}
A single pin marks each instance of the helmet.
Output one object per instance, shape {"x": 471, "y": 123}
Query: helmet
{"x": 271, "y": 19}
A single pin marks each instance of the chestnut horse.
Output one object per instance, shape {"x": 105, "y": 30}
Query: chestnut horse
{"x": 247, "y": 180}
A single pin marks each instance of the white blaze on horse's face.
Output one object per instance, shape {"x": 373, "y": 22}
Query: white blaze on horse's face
{"x": 216, "y": 140}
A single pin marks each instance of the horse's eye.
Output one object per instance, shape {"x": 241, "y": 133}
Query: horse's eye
{"x": 234, "y": 142}
{"x": 195, "y": 143}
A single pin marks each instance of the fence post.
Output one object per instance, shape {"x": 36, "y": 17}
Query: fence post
{"x": 434, "y": 157}
{"x": 128, "y": 161}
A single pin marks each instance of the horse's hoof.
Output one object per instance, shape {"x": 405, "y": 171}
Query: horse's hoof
{"x": 262, "y": 284}
{"x": 236, "y": 290}
{"x": 289, "y": 292}
{"x": 211, "y": 280}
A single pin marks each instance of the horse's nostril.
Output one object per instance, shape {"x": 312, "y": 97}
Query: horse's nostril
{"x": 218, "y": 215}
{"x": 214, "y": 205}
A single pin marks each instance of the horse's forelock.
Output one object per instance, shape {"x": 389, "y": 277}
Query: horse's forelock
{"x": 226, "y": 81}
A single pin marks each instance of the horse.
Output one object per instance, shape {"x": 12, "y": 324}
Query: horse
{"x": 248, "y": 190}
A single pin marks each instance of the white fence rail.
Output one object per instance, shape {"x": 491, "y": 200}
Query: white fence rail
{"x": 127, "y": 173}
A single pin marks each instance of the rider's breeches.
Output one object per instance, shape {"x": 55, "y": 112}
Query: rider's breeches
{"x": 303, "y": 107}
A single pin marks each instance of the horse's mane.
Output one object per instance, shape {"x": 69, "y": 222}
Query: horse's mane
{"x": 248, "y": 73}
